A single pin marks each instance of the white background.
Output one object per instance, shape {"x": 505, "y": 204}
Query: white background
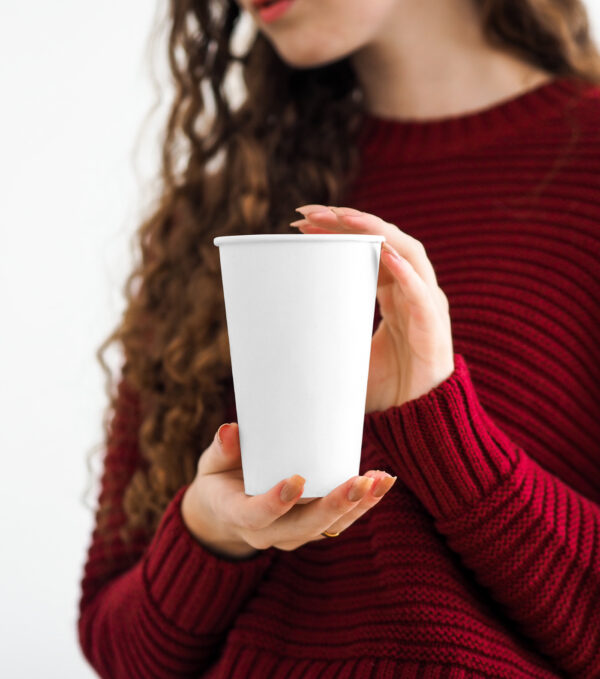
{"x": 75, "y": 88}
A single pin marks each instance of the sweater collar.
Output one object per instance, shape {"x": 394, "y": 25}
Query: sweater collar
{"x": 393, "y": 139}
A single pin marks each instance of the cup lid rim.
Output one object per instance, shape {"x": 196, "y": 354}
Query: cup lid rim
{"x": 249, "y": 238}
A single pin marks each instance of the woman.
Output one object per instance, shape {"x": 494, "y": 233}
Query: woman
{"x": 467, "y": 133}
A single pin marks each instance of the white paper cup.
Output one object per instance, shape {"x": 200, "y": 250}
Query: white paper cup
{"x": 300, "y": 311}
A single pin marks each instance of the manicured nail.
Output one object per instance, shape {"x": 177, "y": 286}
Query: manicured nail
{"x": 383, "y": 486}
{"x": 299, "y": 222}
{"x": 292, "y": 488}
{"x": 220, "y": 430}
{"x": 311, "y": 207}
{"x": 374, "y": 472}
{"x": 395, "y": 255}
{"x": 317, "y": 213}
{"x": 390, "y": 249}
{"x": 360, "y": 487}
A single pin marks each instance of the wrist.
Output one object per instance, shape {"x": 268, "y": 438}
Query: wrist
{"x": 208, "y": 533}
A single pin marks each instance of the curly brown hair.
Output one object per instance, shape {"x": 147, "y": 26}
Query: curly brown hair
{"x": 241, "y": 171}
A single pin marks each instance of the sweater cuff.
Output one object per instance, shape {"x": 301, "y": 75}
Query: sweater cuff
{"x": 445, "y": 447}
{"x": 192, "y": 588}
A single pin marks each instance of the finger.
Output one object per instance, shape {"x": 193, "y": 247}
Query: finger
{"x": 224, "y": 455}
{"x": 257, "y": 512}
{"x": 309, "y": 521}
{"x": 324, "y": 218}
{"x": 306, "y": 227}
{"x": 412, "y": 285}
{"x": 409, "y": 247}
{"x": 381, "y": 485}
{"x": 312, "y": 207}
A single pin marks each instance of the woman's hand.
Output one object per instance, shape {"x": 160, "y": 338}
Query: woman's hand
{"x": 411, "y": 350}
{"x": 230, "y": 523}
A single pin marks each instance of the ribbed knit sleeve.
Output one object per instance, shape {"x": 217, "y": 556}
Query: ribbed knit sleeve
{"x": 161, "y": 609}
{"x": 530, "y": 538}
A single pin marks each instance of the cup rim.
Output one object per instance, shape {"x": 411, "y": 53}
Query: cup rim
{"x": 250, "y": 238}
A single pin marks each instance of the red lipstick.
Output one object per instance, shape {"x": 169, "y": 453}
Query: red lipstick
{"x": 270, "y": 10}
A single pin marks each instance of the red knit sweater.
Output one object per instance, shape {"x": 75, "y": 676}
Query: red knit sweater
{"x": 484, "y": 558}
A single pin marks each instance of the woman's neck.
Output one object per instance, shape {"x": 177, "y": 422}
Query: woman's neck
{"x": 431, "y": 60}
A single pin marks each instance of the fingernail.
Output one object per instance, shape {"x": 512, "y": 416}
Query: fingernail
{"x": 220, "y": 431}
{"x": 359, "y": 488}
{"x": 298, "y": 222}
{"x": 375, "y": 472}
{"x": 383, "y": 486}
{"x": 310, "y": 207}
{"x": 390, "y": 249}
{"x": 292, "y": 488}
{"x": 317, "y": 213}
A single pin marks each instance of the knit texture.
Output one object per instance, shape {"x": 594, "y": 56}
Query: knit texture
{"x": 483, "y": 560}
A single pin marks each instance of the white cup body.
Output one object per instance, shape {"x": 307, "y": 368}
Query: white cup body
{"x": 299, "y": 311}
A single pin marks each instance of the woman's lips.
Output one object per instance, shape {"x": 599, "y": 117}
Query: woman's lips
{"x": 269, "y": 11}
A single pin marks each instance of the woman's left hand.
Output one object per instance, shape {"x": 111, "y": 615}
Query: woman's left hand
{"x": 411, "y": 350}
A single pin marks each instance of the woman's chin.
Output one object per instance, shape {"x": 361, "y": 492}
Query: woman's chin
{"x": 306, "y": 58}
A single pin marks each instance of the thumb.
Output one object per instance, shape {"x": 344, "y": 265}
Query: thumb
{"x": 224, "y": 455}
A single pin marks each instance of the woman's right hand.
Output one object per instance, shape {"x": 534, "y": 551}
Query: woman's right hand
{"x": 232, "y": 524}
